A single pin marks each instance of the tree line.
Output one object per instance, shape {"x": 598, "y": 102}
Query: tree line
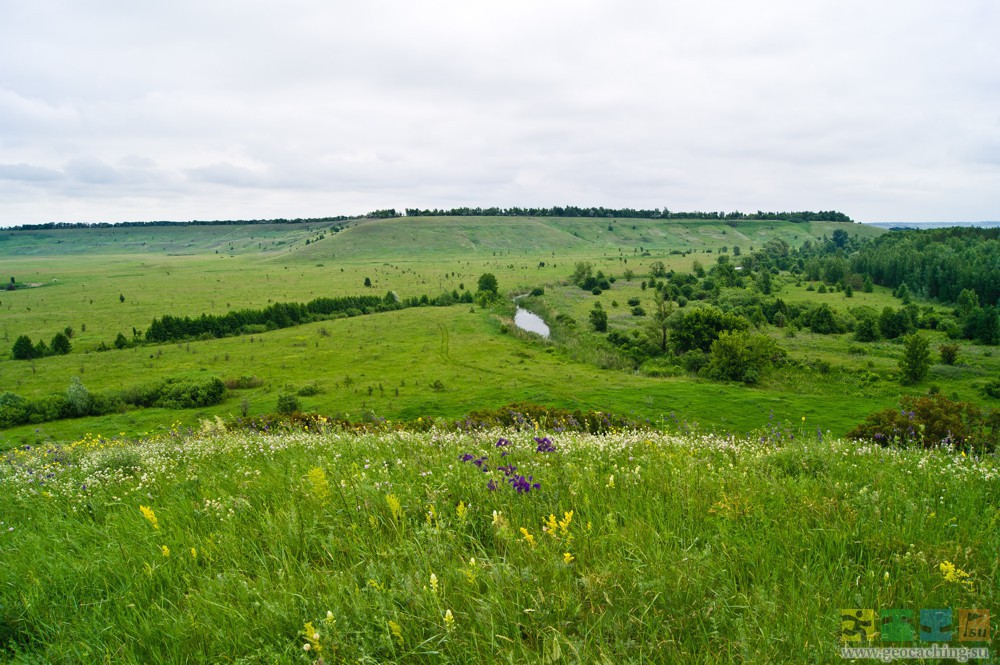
{"x": 49, "y": 226}
{"x": 515, "y": 211}
{"x": 630, "y": 213}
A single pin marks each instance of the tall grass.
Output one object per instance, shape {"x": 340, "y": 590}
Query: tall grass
{"x": 636, "y": 546}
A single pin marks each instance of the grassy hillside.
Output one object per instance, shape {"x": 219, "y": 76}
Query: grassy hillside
{"x": 425, "y": 361}
{"x": 632, "y": 546}
{"x": 387, "y": 365}
{"x": 174, "y": 240}
{"x": 417, "y": 238}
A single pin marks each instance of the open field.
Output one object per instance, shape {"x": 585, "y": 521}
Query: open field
{"x": 427, "y": 361}
{"x": 633, "y": 546}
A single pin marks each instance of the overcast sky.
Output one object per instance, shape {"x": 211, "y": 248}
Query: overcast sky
{"x": 887, "y": 110}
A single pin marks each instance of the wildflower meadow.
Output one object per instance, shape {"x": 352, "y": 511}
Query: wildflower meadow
{"x": 503, "y": 545}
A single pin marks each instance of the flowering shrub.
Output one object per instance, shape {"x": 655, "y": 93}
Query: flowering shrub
{"x": 931, "y": 420}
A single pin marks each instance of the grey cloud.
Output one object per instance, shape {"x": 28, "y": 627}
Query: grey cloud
{"x": 29, "y": 173}
{"x": 93, "y": 172}
{"x": 227, "y": 174}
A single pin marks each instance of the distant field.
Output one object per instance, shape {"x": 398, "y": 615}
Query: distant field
{"x": 81, "y": 277}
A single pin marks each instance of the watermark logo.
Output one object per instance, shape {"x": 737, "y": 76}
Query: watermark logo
{"x": 857, "y": 625}
{"x": 937, "y": 628}
{"x": 897, "y": 626}
{"x": 973, "y": 625}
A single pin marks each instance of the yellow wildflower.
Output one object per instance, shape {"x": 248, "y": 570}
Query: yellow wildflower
{"x": 150, "y": 516}
{"x": 564, "y": 522}
{"x": 312, "y": 638}
{"x": 449, "y": 621}
{"x": 394, "y": 506}
{"x": 611, "y": 481}
{"x": 165, "y": 550}
{"x": 460, "y": 510}
{"x": 434, "y": 583}
{"x": 528, "y": 537}
{"x": 550, "y": 526}
{"x": 397, "y": 631}
{"x": 318, "y": 483}
{"x": 568, "y": 558}
{"x": 954, "y": 574}
{"x": 194, "y": 553}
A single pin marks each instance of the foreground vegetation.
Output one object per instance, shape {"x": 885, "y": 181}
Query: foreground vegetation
{"x": 514, "y": 545}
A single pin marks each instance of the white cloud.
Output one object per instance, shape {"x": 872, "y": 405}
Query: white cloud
{"x": 252, "y": 109}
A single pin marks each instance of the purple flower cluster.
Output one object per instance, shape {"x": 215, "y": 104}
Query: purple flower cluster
{"x": 523, "y": 485}
{"x": 545, "y": 445}
{"x": 480, "y": 462}
{"x": 519, "y": 482}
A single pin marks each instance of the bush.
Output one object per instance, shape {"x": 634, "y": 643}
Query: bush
{"x": 78, "y": 398}
{"x": 992, "y": 389}
{"x": 949, "y": 353}
{"x": 288, "y": 404}
{"x": 243, "y": 382}
{"x": 916, "y": 359}
{"x": 309, "y": 390}
{"x": 742, "y": 356}
{"x": 698, "y": 327}
{"x": 13, "y": 409}
{"x": 694, "y": 360}
{"x": 823, "y": 321}
{"x": 189, "y": 395}
{"x": 599, "y": 318}
{"x": 929, "y": 421}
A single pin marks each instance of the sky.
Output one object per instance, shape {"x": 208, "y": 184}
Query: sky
{"x": 242, "y": 109}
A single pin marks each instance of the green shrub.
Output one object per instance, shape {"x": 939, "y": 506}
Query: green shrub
{"x": 288, "y": 404}
{"x": 309, "y": 390}
{"x": 742, "y": 356}
{"x": 928, "y": 421}
{"x": 949, "y": 353}
{"x": 916, "y": 359}
{"x": 189, "y": 395}
{"x": 992, "y": 389}
{"x": 243, "y": 382}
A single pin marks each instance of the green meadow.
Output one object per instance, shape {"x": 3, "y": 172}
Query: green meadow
{"x": 512, "y": 546}
{"x": 104, "y": 281}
